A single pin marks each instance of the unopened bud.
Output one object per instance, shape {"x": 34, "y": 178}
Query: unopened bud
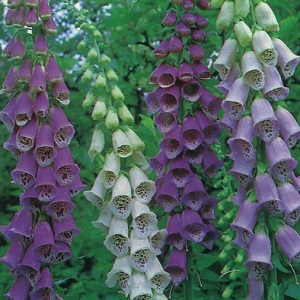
{"x": 111, "y": 120}
{"x": 228, "y": 291}
{"x": 92, "y": 55}
{"x": 99, "y": 111}
{"x": 241, "y": 8}
{"x": 111, "y": 75}
{"x": 265, "y": 17}
{"x": 225, "y": 16}
{"x": 88, "y": 75}
{"x": 88, "y": 101}
{"x": 100, "y": 81}
{"x": 116, "y": 93}
{"x": 104, "y": 59}
{"x": 243, "y": 33}
{"x": 124, "y": 114}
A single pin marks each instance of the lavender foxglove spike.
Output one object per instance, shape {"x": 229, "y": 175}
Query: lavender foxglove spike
{"x": 242, "y": 171}
{"x": 259, "y": 255}
{"x": 235, "y": 101}
{"x": 7, "y": 115}
{"x": 176, "y": 266}
{"x": 182, "y": 29}
{"x": 185, "y": 72}
{"x": 207, "y": 211}
{"x": 195, "y": 157}
{"x": 188, "y": 19}
{"x": 267, "y": 195}
{"x": 53, "y": 71}
{"x": 20, "y": 289}
{"x": 168, "y": 77}
{"x": 201, "y": 70}
{"x": 169, "y": 99}
{"x": 224, "y": 85}
{"x": 274, "y": 87}
{"x": 152, "y": 101}
{"x": 211, "y": 235}
{"x": 191, "y": 90}
{"x": 176, "y": 44}
{"x": 265, "y": 124}
{"x": 31, "y": 18}
{"x": 61, "y": 92}
{"x": 41, "y": 104}
{"x": 159, "y": 163}
{"x": 290, "y": 199}
{"x": 24, "y": 73}
{"x": 37, "y": 81}
{"x": 44, "y": 288}
{"x": 211, "y": 105}
{"x": 40, "y": 45}
{"x": 198, "y": 35}
{"x": 194, "y": 195}
{"x": 255, "y": 289}
{"x": 295, "y": 180}
{"x": 166, "y": 121}
{"x": 195, "y": 52}
{"x": 157, "y": 72}
{"x": 192, "y": 136}
{"x": 167, "y": 195}
{"x": 162, "y": 50}
{"x": 10, "y": 80}
{"x": 287, "y": 60}
{"x": 174, "y": 229}
{"x": 211, "y": 163}
{"x": 170, "y": 19}
{"x": 280, "y": 160}
{"x": 26, "y": 135}
{"x": 23, "y": 112}
{"x": 200, "y": 21}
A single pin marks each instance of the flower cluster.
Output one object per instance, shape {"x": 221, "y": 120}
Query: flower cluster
{"x": 42, "y": 231}
{"x": 262, "y": 132}
{"x": 185, "y": 114}
{"x": 121, "y": 190}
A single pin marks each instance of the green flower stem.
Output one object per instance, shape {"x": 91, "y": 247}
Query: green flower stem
{"x": 253, "y": 12}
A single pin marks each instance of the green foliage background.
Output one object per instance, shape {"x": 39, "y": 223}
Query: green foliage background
{"x": 131, "y": 29}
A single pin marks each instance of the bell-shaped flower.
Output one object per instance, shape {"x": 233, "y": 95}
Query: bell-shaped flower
{"x": 41, "y": 104}
{"x": 226, "y": 58}
{"x": 65, "y": 168}
{"x": 25, "y": 172}
{"x": 191, "y": 90}
{"x": 211, "y": 104}
{"x": 287, "y": 60}
{"x": 157, "y": 239}
{"x": 167, "y": 195}
{"x": 288, "y": 240}
{"x": 255, "y": 289}
{"x": 280, "y": 160}
{"x": 166, "y": 121}
{"x": 20, "y": 289}
{"x": 274, "y": 87}
{"x": 252, "y": 71}
{"x": 235, "y": 101}
{"x": 243, "y": 33}
{"x": 210, "y": 129}
{"x": 170, "y": 19}
{"x": 259, "y": 255}
{"x": 135, "y": 141}
{"x": 225, "y": 16}
{"x": 159, "y": 163}
{"x": 110, "y": 170}
{"x": 264, "y": 49}
{"x": 175, "y": 44}
{"x": 23, "y": 110}
{"x": 201, "y": 70}
{"x": 242, "y": 171}
{"x": 143, "y": 188}
{"x": 141, "y": 288}
{"x": 26, "y": 135}
{"x": 265, "y": 124}
{"x": 185, "y": 72}
{"x": 49, "y": 26}
{"x": 63, "y": 253}
{"x": 53, "y": 71}
{"x": 169, "y": 99}
{"x": 176, "y": 266}
{"x": 121, "y": 144}
{"x": 182, "y": 29}
{"x": 162, "y": 50}
{"x": 120, "y": 273}
{"x": 267, "y": 195}
{"x": 18, "y": 50}
{"x": 172, "y": 143}
{"x": 290, "y": 199}
{"x": 194, "y": 195}
{"x": 228, "y": 124}
{"x": 174, "y": 229}
{"x": 24, "y": 73}
{"x": 192, "y": 135}
{"x": 117, "y": 240}
{"x": 37, "y": 81}
{"x": 40, "y": 45}
{"x": 61, "y": 92}
{"x": 140, "y": 161}
{"x": 157, "y": 72}
{"x": 29, "y": 200}
{"x": 211, "y": 235}
{"x": 211, "y": 163}
{"x": 31, "y": 18}
{"x": 10, "y": 80}
{"x": 44, "y": 10}
{"x": 207, "y": 211}
{"x": 11, "y": 146}
{"x": 45, "y": 184}
{"x": 104, "y": 219}
{"x": 97, "y": 143}
{"x": 152, "y": 100}
{"x": 7, "y": 115}
{"x": 195, "y": 156}
{"x": 168, "y": 77}
{"x": 295, "y": 180}
{"x": 265, "y": 17}
{"x": 196, "y": 53}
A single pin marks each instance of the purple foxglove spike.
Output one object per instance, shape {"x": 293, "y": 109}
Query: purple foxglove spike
{"x": 182, "y": 29}
{"x": 157, "y": 72}
{"x": 44, "y": 288}
{"x": 188, "y": 19}
{"x": 255, "y": 289}
{"x": 201, "y": 70}
{"x": 192, "y": 136}
{"x": 152, "y": 101}
{"x": 174, "y": 229}
{"x": 280, "y": 160}
{"x": 179, "y": 172}
{"x": 228, "y": 124}
{"x": 226, "y": 58}
{"x": 168, "y": 77}
{"x": 195, "y": 52}
{"x": 264, "y": 49}
{"x": 288, "y": 240}
{"x": 290, "y": 199}
{"x": 40, "y": 45}
{"x": 194, "y": 195}
{"x": 172, "y": 143}
{"x": 18, "y": 18}
{"x": 29, "y": 200}
{"x": 195, "y": 156}
{"x": 159, "y": 163}
{"x": 170, "y": 19}
{"x": 10, "y": 80}
{"x": 162, "y": 50}
{"x": 11, "y": 146}
{"x": 7, "y": 115}
{"x": 187, "y": 4}
{"x": 61, "y": 92}
{"x": 274, "y": 87}
{"x": 45, "y": 184}
{"x": 53, "y": 71}
{"x": 191, "y": 90}
{"x": 207, "y": 211}
{"x": 193, "y": 228}
{"x": 185, "y": 72}
{"x": 45, "y": 248}
{"x": 20, "y": 289}
{"x": 287, "y": 60}
{"x": 175, "y": 44}
{"x": 61, "y": 206}
{"x": 41, "y": 104}
{"x": 200, "y": 21}
{"x": 24, "y": 73}
{"x": 267, "y": 195}
{"x": 31, "y": 18}
{"x": 242, "y": 171}
{"x": 30, "y": 266}
{"x": 49, "y": 26}
{"x": 252, "y": 71}
{"x": 176, "y": 266}
{"x": 25, "y": 172}
{"x": 44, "y": 152}
{"x": 210, "y": 129}
{"x": 289, "y": 127}
{"x": 211, "y": 235}
{"x": 166, "y": 121}
{"x": 76, "y": 186}
{"x": 198, "y": 35}
{"x": 32, "y": 3}
{"x": 234, "y": 103}
{"x": 38, "y": 79}
{"x": 241, "y": 143}
{"x": 169, "y": 99}
{"x": 26, "y": 135}
{"x": 62, "y": 129}
{"x": 224, "y": 85}
{"x": 44, "y": 10}
{"x": 18, "y": 49}
{"x": 167, "y": 195}
{"x": 211, "y": 163}
{"x": 65, "y": 230}
{"x": 259, "y": 255}
{"x": 63, "y": 252}
{"x": 22, "y": 225}
{"x": 265, "y": 124}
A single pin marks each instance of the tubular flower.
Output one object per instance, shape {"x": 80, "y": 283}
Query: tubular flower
{"x": 42, "y": 231}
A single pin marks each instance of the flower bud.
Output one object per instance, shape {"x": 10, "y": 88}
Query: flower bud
{"x": 243, "y": 33}
{"x": 111, "y": 120}
{"x": 99, "y": 110}
{"x": 216, "y": 4}
{"x": 124, "y": 114}
{"x": 116, "y": 93}
{"x": 241, "y": 8}
{"x": 97, "y": 143}
{"x": 111, "y": 74}
{"x": 135, "y": 141}
{"x": 100, "y": 81}
{"x": 265, "y": 17}
{"x": 88, "y": 75}
{"x": 89, "y": 100}
{"x": 104, "y": 59}
{"x": 225, "y": 16}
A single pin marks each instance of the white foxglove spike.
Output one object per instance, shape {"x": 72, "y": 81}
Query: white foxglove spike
{"x": 140, "y": 287}
{"x": 136, "y": 142}
{"x": 139, "y": 160}
{"x": 104, "y": 219}
{"x": 97, "y": 143}
{"x": 121, "y": 144}
{"x": 143, "y": 188}
{"x": 157, "y": 239}
{"x": 110, "y": 170}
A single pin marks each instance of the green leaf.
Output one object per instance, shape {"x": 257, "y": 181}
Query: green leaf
{"x": 293, "y": 291}
{"x": 211, "y": 276}
{"x": 205, "y": 260}
{"x": 277, "y": 263}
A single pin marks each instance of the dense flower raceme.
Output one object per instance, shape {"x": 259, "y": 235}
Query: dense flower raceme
{"x": 42, "y": 231}
{"x": 264, "y": 136}
{"x": 185, "y": 114}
